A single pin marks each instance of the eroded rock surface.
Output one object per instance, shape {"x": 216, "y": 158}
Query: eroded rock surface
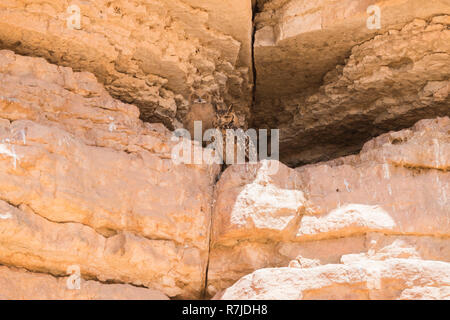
{"x": 330, "y": 83}
{"x": 298, "y": 41}
{"x": 396, "y": 189}
{"x": 85, "y": 182}
{"x": 152, "y": 53}
{"x": 359, "y": 278}
{"x": 17, "y": 284}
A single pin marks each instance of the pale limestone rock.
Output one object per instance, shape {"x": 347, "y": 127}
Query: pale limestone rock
{"x": 227, "y": 264}
{"x": 301, "y": 262}
{"x": 394, "y": 185}
{"x": 393, "y": 278}
{"x": 330, "y": 84}
{"x": 35, "y": 243}
{"x": 426, "y": 293}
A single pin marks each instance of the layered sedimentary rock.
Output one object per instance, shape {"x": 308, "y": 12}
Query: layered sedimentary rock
{"x": 85, "y": 182}
{"x": 298, "y": 41}
{"x": 20, "y": 284}
{"x": 330, "y": 83}
{"x": 86, "y": 185}
{"x": 152, "y": 53}
{"x": 395, "y": 191}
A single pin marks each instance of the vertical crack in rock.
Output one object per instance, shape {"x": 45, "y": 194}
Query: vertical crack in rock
{"x": 253, "y": 31}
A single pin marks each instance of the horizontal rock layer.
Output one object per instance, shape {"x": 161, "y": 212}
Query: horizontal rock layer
{"x": 85, "y": 184}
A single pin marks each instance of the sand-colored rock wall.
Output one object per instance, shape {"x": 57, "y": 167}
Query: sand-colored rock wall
{"x": 93, "y": 204}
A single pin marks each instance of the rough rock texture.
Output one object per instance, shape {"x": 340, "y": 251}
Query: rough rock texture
{"x": 360, "y": 278}
{"x": 330, "y": 83}
{"x": 298, "y": 41}
{"x": 152, "y": 53}
{"x": 19, "y": 284}
{"x": 395, "y": 190}
{"x": 85, "y": 182}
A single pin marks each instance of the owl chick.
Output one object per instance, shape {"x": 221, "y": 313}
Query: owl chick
{"x": 201, "y": 109}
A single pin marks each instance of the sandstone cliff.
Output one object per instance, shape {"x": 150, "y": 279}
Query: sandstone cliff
{"x": 91, "y": 92}
{"x": 393, "y": 194}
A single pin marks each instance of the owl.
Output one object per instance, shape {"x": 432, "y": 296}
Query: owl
{"x": 226, "y": 118}
{"x": 200, "y": 109}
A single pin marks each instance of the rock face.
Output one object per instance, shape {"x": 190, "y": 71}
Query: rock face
{"x": 93, "y": 204}
{"x": 395, "y": 190}
{"x": 85, "y": 182}
{"x": 152, "y": 53}
{"x": 298, "y": 41}
{"x": 330, "y": 83}
{"x": 20, "y": 284}
{"x": 362, "y": 279}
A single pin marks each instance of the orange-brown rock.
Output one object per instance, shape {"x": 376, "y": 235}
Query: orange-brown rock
{"x": 358, "y": 88}
{"x": 19, "y": 284}
{"x": 85, "y": 182}
{"x": 396, "y": 189}
{"x": 357, "y": 278}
